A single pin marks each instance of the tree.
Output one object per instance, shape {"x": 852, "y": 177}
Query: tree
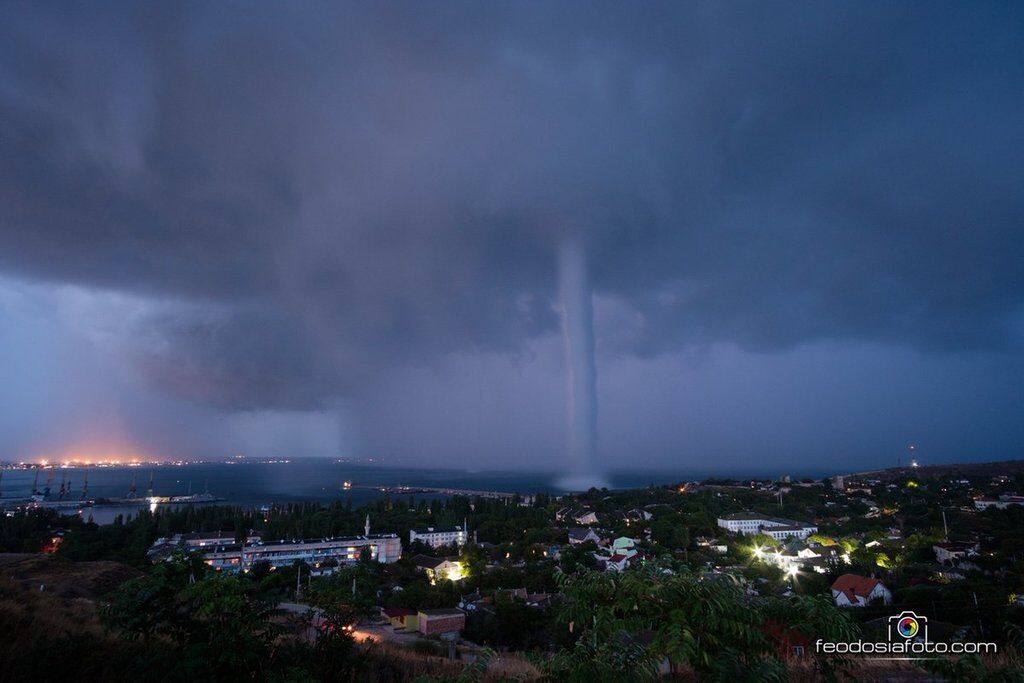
{"x": 670, "y": 533}
{"x": 148, "y": 606}
{"x": 347, "y": 593}
{"x": 814, "y": 617}
{"x": 217, "y": 628}
{"x": 473, "y": 560}
{"x": 691, "y": 621}
{"x": 626, "y": 623}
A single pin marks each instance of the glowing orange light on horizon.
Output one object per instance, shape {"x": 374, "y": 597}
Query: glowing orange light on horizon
{"x": 91, "y": 456}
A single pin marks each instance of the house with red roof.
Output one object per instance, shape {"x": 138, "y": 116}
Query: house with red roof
{"x": 788, "y": 642}
{"x": 617, "y": 562}
{"x": 854, "y": 590}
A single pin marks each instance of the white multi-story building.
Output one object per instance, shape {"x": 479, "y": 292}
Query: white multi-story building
{"x": 1002, "y": 502}
{"x": 317, "y": 553}
{"x": 323, "y": 555}
{"x": 777, "y": 528}
{"x": 436, "y": 537}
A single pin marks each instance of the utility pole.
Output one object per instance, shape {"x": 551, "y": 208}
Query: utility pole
{"x": 945, "y": 528}
{"x": 977, "y": 611}
{"x": 298, "y": 579}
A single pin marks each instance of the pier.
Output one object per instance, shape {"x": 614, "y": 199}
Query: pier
{"x": 499, "y": 495}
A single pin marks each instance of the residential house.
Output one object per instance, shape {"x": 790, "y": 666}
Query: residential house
{"x": 616, "y": 563}
{"x": 624, "y": 545}
{"x": 854, "y": 590}
{"x": 637, "y": 515}
{"x": 712, "y": 545}
{"x": 586, "y": 517}
{"x": 439, "y": 568}
{"x": 400, "y": 617}
{"x": 954, "y": 551}
{"x": 578, "y": 535}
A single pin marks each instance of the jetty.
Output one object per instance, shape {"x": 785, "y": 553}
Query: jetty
{"x": 401, "y": 489}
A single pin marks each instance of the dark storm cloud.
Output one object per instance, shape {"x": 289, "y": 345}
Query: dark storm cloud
{"x": 335, "y": 190}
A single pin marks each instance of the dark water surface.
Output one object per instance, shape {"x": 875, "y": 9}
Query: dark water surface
{"x": 254, "y": 483}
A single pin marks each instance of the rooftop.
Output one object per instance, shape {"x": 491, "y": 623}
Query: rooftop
{"x": 755, "y": 517}
{"x": 442, "y": 612}
{"x": 855, "y": 585}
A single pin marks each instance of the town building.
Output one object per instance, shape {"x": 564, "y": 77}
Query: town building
{"x": 476, "y": 600}
{"x": 579, "y": 515}
{"x": 854, "y": 590}
{"x": 797, "y": 555}
{"x": 637, "y": 515}
{"x": 712, "y": 545}
{"x": 1001, "y": 503}
{"x": 749, "y": 523}
{"x": 203, "y": 539}
{"x": 586, "y": 517}
{"x": 401, "y": 617}
{"x": 323, "y": 555}
{"x": 437, "y": 537}
{"x": 616, "y": 563}
{"x": 624, "y": 545}
{"x": 578, "y": 535}
{"x": 439, "y": 568}
{"x": 950, "y": 552}
{"x": 438, "y": 621}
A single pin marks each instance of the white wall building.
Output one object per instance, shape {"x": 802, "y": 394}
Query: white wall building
{"x": 951, "y": 552}
{"x": 752, "y": 523}
{"x": 436, "y": 537}
{"x": 322, "y": 554}
{"x": 1001, "y": 503}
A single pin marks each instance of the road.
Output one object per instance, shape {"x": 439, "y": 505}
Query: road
{"x": 361, "y": 633}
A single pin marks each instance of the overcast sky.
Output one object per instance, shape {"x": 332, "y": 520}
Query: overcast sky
{"x": 332, "y": 230}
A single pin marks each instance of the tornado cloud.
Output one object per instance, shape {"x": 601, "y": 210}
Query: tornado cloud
{"x": 581, "y": 384}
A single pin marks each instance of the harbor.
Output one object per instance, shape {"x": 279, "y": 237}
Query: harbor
{"x": 66, "y": 499}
